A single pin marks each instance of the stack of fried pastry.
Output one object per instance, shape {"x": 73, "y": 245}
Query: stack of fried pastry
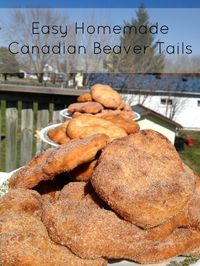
{"x": 114, "y": 126}
{"x": 101, "y": 111}
{"x": 94, "y": 199}
{"x": 101, "y": 101}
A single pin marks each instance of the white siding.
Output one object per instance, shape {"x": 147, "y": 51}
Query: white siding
{"x": 187, "y": 111}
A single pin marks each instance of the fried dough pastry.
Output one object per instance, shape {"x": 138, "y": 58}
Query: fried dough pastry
{"x": 192, "y": 251}
{"x": 83, "y": 172}
{"x": 192, "y": 213}
{"x": 21, "y": 200}
{"x": 58, "y": 134}
{"x": 75, "y": 191}
{"x": 129, "y": 125}
{"x": 85, "y": 97}
{"x": 192, "y": 219}
{"x": 143, "y": 179}
{"x": 94, "y": 232}
{"x": 130, "y": 115}
{"x": 58, "y": 160}
{"x": 189, "y": 217}
{"x": 86, "y": 125}
{"x": 50, "y": 197}
{"x": 77, "y": 114}
{"x": 24, "y": 241}
{"x": 86, "y": 107}
{"x": 81, "y": 191}
{"x": 105, "y": 95}
{"x": 122, "y": 105}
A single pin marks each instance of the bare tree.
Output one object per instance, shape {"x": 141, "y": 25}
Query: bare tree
{"x": 89, "y": 62}
{"x": 20, "y": 25}
{"x": 178, "y": 104}
{"x": 183, "y": 64}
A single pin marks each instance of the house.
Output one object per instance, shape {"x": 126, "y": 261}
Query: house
{"x": 181, "y": 107}
{"x": 153, "y": 120}
{"x": 176, "y": 96}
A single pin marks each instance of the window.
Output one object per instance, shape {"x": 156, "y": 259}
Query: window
{"x": 198, "y": 103}
{"x": 169, "y": 102}
{"x": 164, "y": 101}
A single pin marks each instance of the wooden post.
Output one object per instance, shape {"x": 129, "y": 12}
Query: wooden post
{"x": 11, "y": 135}
{"x": 15, "y": 94}
{"x": 42, "y": 121}
{"x": 26, "y": 132}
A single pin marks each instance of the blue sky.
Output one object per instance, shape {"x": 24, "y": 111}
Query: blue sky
{"x": 183, "y": 23}
{"x": 101, "y": 3}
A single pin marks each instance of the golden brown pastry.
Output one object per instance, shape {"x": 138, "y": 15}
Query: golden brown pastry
{"x": 106, "y": 96}
{"x": 143, "y": 179}
{"x": 129, "y": 125}
{"x": 92, "y": 232}
{"x": 24, "y": 240}
{"x": 83, "y": 172}
{"x": 86, "y": 125}
{"x": 59, "y": 134}
{"x": 20, "y": 201}
{"x": 58, "y": 160}
{"x": 85, "y": 97}
{"x": 86, "y": 107}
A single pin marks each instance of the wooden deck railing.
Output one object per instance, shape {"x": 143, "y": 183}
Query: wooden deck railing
{"x": 23, "y": 111}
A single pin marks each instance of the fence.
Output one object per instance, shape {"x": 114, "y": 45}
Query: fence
{"x": 23, "y": 111}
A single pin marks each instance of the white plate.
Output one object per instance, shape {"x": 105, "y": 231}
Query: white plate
{"x": 3, "y": 181}
{"x": 164, "y": 263}
{"x": 66, "y": 114}
{"x": 44, "y": 137}
{"x": 137, "y": 116}
{"x": 5, "y": 176}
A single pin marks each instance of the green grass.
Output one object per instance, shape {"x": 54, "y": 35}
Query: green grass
{"x": 191, "y": 155}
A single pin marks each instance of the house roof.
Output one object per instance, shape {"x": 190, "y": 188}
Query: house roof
{"x": 143, "y": 110}
{"x": 182, "y": 83}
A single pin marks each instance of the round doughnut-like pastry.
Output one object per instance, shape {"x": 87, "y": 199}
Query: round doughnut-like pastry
{"x": 58, "y": 134}
{"x": 143, "y": 179}
{"x": 86, "y": 107}
{"x": 85, "y": 97}
{"x": 105, "y": 95}
{"x": 87, "y": 125}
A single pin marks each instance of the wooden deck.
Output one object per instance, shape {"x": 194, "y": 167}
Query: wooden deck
{"x": 23, "y": 111}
